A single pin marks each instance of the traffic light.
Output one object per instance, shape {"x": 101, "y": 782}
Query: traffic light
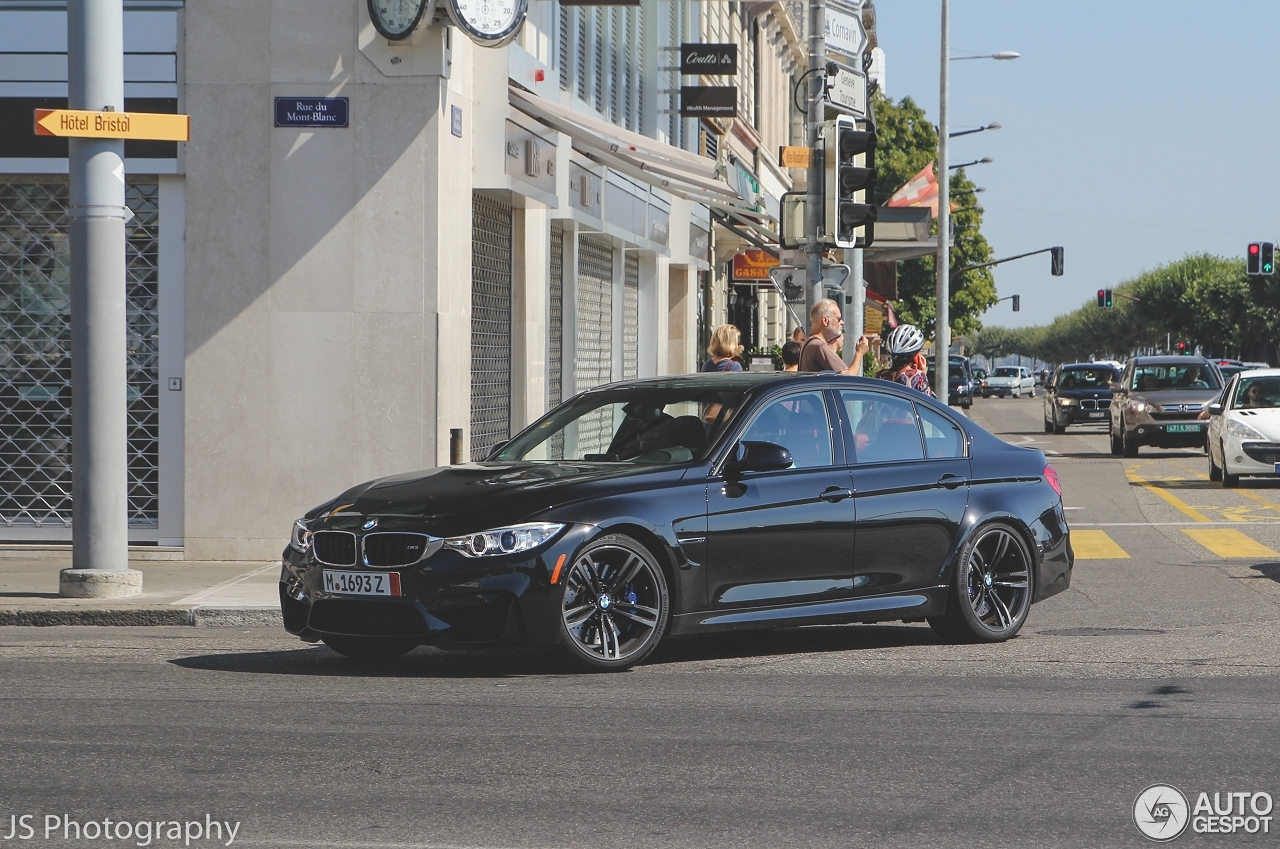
{"x": 1110, "y": 301}
{"x": 1105, "y": 299}
{"x": 1017, "y": 302}
{"x": 849, "y": 179}
{"x": 1253, "y": 259}
{"x": 1182, "y": 348}
{"x": 1055, "y": 267}
{"x": 1267, "y": 262}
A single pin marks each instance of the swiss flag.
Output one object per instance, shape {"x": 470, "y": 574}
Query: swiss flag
{"x": 921, "y": 190}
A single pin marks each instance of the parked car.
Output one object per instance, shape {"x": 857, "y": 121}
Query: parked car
{"x": 688, "y": 505}
{"x": 1157, "y": 402}
{"x": 960, "y": 383}
{"x": 1080, "y": 393}
{"x": 1244, "y": 428}
{"x": 1011, "y": 381}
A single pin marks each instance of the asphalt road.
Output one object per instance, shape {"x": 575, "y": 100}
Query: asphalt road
{"x": 1159, "y": 665}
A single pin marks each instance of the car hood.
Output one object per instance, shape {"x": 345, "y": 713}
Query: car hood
{"x": 1003, "y": 379}
{"x": 464, "y": 499}
{"x": 1169, "y": 397}
{"x": 1082, "y": 393}
{"x": 1264, "y": 421}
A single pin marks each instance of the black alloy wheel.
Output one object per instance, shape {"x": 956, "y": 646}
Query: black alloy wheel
{"x": 370, "y": 648}
{"x": 615, "y": 605}
{"x": 991, "y": 590}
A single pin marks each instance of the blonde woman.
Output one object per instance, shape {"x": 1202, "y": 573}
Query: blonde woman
{"x": 723, "y": 349}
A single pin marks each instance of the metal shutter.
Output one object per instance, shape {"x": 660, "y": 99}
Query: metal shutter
{"x": 555, "y": 347}
{"x": 637, "y": 47}
{"x": 35, "y": 351}
{"x": 631, "y": 316}
{"x": 593, "y": 359}
{"x": 564, "y": 58}
{"x": 581, "y": 51}
{"x": 598, "y": 70}
{"x": 490, "y": 323}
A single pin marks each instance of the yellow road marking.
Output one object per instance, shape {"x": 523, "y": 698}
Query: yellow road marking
{"x": 1096, "y": 545}
{"x": 1252, "y": 496}
{"x": 1182, "y": 506}
{"x": 1228, "y": 542}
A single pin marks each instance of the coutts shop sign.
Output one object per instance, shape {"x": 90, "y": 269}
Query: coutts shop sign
{"x": 709, "y": 59}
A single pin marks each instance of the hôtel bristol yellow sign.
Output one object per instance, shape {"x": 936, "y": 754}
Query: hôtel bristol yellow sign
{"x": 84, "y": 124}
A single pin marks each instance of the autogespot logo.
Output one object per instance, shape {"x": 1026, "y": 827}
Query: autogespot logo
{"x": 1160, "y": 812}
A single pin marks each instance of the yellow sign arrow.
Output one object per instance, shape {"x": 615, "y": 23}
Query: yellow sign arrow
{"x": 83, "y": 124}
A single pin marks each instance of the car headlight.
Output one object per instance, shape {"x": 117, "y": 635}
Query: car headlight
{"x": 300, "y": 539}
{"x": 1067, "y": 402}
{"x": 1240, "y": 430}
{"x": 509, "y": 540}
{"x": 1141, "y": 406}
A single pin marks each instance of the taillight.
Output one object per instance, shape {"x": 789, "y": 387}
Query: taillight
{"x": 1052, "y": 477}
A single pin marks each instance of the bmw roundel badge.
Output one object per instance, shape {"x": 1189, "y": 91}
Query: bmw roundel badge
{"x": 371, "y": 524}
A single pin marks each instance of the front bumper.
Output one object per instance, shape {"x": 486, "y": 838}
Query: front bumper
{"x": 1076, "y": 415}
{"x": 445, "y": 598}
{"x": 1158, "y": 435}
{"x": 1244, "y": 457}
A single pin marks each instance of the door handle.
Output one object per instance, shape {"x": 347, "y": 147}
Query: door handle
{"x": 835, "y": 493}
{"x": 951, "y": 481}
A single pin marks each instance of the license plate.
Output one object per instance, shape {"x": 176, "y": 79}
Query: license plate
{"x": 1182, "y": 428}
{"x": 362, "y": 583}
{"x": 1096, "y": 415}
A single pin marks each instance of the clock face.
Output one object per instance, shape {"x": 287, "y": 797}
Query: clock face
{"x": 397, "y": 19}
{"x": 489, "y": 21}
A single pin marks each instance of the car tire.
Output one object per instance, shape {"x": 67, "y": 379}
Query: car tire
{"x": 1229, "y": 481}
{"x": 1059, "y": 429}
{"x": 1130, "y": 448}
{"x": 991, "y": 587}
{"x": 1215, "y": 473}
{"x": 1032, "y": 393}
{"x": 614, "y": 605}
{"x": 1049, "y": 426}
{"x": 1117, "y": 447}
{"x": 1017, "y": 393}
{"x": 370, "y": 648}
{"x": 966, "y": 402}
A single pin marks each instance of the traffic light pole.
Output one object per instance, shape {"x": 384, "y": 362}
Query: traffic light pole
{"x": 813, "y": 124}
{"x": 955, "y": 274}
{"x": 942, "y": 323}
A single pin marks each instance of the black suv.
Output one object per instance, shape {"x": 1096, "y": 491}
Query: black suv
{"x": 959, "y": 381}
{"x": 1079, "y": 393}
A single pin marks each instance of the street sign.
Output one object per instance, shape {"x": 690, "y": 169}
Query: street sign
{"x": 753, "y": 266}
{"x": 795, "y": 157}
{"x": 844, "y": 31}
{"x": 313, "y": 112}
{"x": 848, "y": 92}
{"x": 86, "y": 124}
{"x": 705, "y": 101}
{"x": 709, "y": 59}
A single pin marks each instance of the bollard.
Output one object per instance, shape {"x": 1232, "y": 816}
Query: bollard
{"x": 455, "y": 446}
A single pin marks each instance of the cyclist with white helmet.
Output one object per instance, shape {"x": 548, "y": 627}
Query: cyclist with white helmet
{"x": 909, "y": 367}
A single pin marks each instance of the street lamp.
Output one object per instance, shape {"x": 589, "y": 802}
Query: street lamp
{"x": 942, "y": 329}
{"x": 983, "y": 161}
{"x": 992, "y": 126}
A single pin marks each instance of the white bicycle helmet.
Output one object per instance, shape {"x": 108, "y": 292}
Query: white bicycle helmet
{"x": 904, "y": 339}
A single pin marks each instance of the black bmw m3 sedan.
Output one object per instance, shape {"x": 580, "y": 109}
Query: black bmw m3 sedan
{"x": 686, "y": 505}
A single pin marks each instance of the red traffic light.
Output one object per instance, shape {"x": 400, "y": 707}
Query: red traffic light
{"x": 1253, "y": 249}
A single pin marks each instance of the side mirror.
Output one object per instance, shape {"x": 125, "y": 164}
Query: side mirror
{"x": 752, "y": 456}
{"x": 1214, "y": 408}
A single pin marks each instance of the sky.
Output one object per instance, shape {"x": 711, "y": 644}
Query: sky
{"x": 1134, "y": 132}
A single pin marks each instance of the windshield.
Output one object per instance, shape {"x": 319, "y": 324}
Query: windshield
{"x": 1086, "y": 378}
{"x": 1006, "y": 372}
{"x": 1173, "y": 376}
{"x": 1255, "y": 392}
{"x": 630, "y": 425}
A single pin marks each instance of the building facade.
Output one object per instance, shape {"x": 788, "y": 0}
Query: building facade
{"x": 492, "y": 231}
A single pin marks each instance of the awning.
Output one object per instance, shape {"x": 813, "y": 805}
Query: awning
{"x": 669, "y": 168}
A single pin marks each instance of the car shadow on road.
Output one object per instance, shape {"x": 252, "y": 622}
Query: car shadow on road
{"x": 432, "y": 662}
{"x": 1267, "y": 570}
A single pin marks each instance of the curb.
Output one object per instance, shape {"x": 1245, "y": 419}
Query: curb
{"x": 209, "y": 617}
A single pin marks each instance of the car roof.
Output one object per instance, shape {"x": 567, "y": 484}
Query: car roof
{"x": 1261, "y": 372}
{"x": 1168, "y": 359}
{"x": 756, "y": 383}
{"x": 1099, "y": 364}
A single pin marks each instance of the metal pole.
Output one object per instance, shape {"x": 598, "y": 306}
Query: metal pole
{"x": 942, "y": 326}
{"x": 813, "y": 191}
{"x": 99, "y": 512}
{"x": 856, "y": 286}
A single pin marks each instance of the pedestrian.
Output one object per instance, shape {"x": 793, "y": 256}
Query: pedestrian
{"x": 825, "y": 332}
{"x": 724, "y": 349}
{"x": 791, "y": 355}
{"x": 909, "y": 367}
{"x": 797, "y": 335}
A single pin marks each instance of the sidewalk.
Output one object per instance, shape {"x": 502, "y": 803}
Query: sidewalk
{"x": 174, "y": 591}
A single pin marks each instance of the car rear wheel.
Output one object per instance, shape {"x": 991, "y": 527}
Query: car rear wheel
{"x": 369, "y": 648}
{"x": 615, "y": 605}
{"x": 990, "y": 590}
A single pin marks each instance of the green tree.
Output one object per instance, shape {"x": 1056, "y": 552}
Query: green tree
{"x": 909, "y": 142}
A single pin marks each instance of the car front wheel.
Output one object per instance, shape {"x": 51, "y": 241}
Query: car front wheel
{"x": 615, "y": 605}
{"x": 1129, "y": 447}
{"x": 990, "y": 589}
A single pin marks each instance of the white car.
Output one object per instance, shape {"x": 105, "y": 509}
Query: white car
{"x": 1010, "y": 380}
{"x": 1244, "y": 428}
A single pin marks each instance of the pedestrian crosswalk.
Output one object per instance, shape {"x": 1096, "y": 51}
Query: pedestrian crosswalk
{"x": 1090, "y": 544}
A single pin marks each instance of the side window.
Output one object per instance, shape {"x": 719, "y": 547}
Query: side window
{"x": 798, "y": 423}
{"x": 884, "y": 427}
{"x": 942, "y": 437}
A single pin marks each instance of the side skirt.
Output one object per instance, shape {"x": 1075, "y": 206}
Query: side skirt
{"x": 930, "y": 601}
